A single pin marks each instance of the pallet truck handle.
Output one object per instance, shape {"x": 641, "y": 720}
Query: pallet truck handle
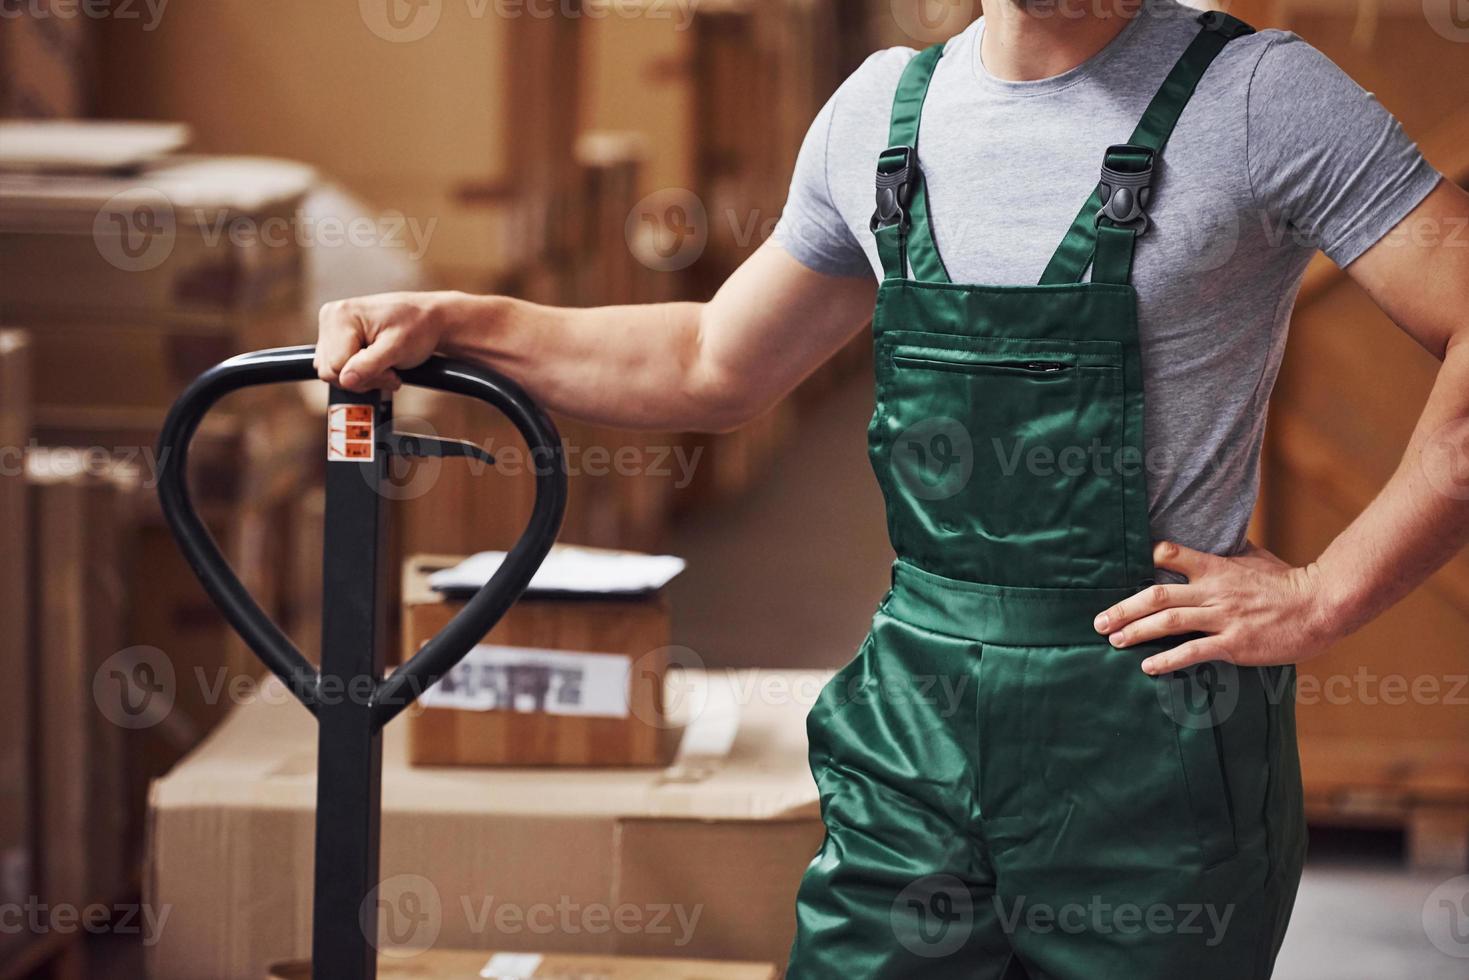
{"x": 270, "y": 644}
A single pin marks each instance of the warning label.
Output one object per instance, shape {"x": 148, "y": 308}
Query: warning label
{"x": 349, "y": 434}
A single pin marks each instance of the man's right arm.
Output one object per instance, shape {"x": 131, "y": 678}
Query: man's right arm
{"x": 690, "y": 366}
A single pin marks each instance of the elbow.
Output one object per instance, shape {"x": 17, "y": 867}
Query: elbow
{"x": 723, "y": 403}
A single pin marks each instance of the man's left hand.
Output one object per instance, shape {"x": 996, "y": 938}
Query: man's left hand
{"x": 1254, "y": 609}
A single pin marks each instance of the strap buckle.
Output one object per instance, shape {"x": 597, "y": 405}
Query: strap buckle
{"x": 1127, "y": 186}
{"x": 1222, "y": 23}
{"x": 896, "y": 176}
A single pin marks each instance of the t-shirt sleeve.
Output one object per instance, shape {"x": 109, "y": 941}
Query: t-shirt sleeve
{"x": 1326, "y": 161}
{"x": 811, "y": 228}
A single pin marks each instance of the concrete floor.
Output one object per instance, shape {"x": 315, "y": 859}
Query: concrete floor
{"x": 790, "y": 575}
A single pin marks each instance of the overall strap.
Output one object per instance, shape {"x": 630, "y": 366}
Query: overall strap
{"x": 1113, "y": 218}
{"x": 900, "y": 223}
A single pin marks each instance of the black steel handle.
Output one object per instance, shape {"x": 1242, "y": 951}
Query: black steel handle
{"x": 240, "y": 609}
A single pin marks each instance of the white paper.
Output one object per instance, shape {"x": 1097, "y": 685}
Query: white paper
{"x": 593, "y": 571}
{"x": 511, "y": 966}
{"x": 532, "y": 681}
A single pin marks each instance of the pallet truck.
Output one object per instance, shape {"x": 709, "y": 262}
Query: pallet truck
{"x": 349, "y": 695}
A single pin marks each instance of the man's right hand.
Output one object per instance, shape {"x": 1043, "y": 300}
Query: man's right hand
{"x": 361, "y": 341}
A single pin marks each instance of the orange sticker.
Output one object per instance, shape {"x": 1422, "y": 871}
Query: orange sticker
{"x": 349, "y": 431}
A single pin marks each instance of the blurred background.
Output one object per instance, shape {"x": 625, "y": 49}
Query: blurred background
{"x": 211, "y": 171}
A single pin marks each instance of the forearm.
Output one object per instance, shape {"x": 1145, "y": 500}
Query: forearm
{"x": 633, "y": 366}
{"x": 1419, "y": 520}
{"x": 701, "y": 366}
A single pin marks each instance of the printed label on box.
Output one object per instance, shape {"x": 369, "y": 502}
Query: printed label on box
{"x": 349, "y": 434}
{"x": 530, "y": 680}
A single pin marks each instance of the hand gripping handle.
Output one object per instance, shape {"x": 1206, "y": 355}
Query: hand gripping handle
{"x": 273, "y": 647}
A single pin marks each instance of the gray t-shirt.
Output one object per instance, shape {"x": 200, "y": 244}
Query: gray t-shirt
{"x": 1278, "y": 154}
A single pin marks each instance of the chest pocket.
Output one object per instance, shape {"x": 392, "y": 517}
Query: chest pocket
{"x": 1003, "y": 460}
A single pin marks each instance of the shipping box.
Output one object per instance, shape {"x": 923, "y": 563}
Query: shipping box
{"x": 698, "y": 860}
{"x": 207, "y": 236}
{"x": 80, "y": 534}
{"x": 613, "y": 716}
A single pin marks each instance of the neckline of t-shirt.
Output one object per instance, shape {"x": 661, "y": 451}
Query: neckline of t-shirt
{"x": 1056, "y": 83}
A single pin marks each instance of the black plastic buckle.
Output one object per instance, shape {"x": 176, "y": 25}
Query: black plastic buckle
{"x": 1221, "y": 23}
{"x": 896, "y": 173}
{"x": 1127, "y": 186}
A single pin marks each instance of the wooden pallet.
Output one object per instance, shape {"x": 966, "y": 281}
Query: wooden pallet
{"x": 1420, "y": 787}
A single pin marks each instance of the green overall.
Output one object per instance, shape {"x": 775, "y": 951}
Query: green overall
{"x": 1005, "y": 795}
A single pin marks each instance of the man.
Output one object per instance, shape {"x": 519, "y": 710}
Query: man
{"x": 1069, "y": 458}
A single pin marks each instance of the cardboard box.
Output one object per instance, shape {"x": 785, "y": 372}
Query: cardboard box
{"x": 80, "y": 531}
{"x": 145, "y": 362}
{"x": 407, "y": 108}
{"x": 465, "y": 965}
{"x": 206, "y": 235}
{"x": 619, "y": 642}
{"x": 15, "y": 700}
{"x": 699, "y": 860}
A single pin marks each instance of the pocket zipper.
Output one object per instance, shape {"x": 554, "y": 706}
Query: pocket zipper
{"x": 944, "y": 364}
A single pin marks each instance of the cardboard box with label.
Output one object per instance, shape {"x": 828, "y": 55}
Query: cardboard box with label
{"x": 572, "y": 675}
{"x": 699, "y": 860}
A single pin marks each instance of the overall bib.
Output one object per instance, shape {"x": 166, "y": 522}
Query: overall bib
{"x": 1005, "y": 795}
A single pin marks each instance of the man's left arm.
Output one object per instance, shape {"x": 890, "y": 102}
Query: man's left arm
{"x": 1255, "y": 609}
